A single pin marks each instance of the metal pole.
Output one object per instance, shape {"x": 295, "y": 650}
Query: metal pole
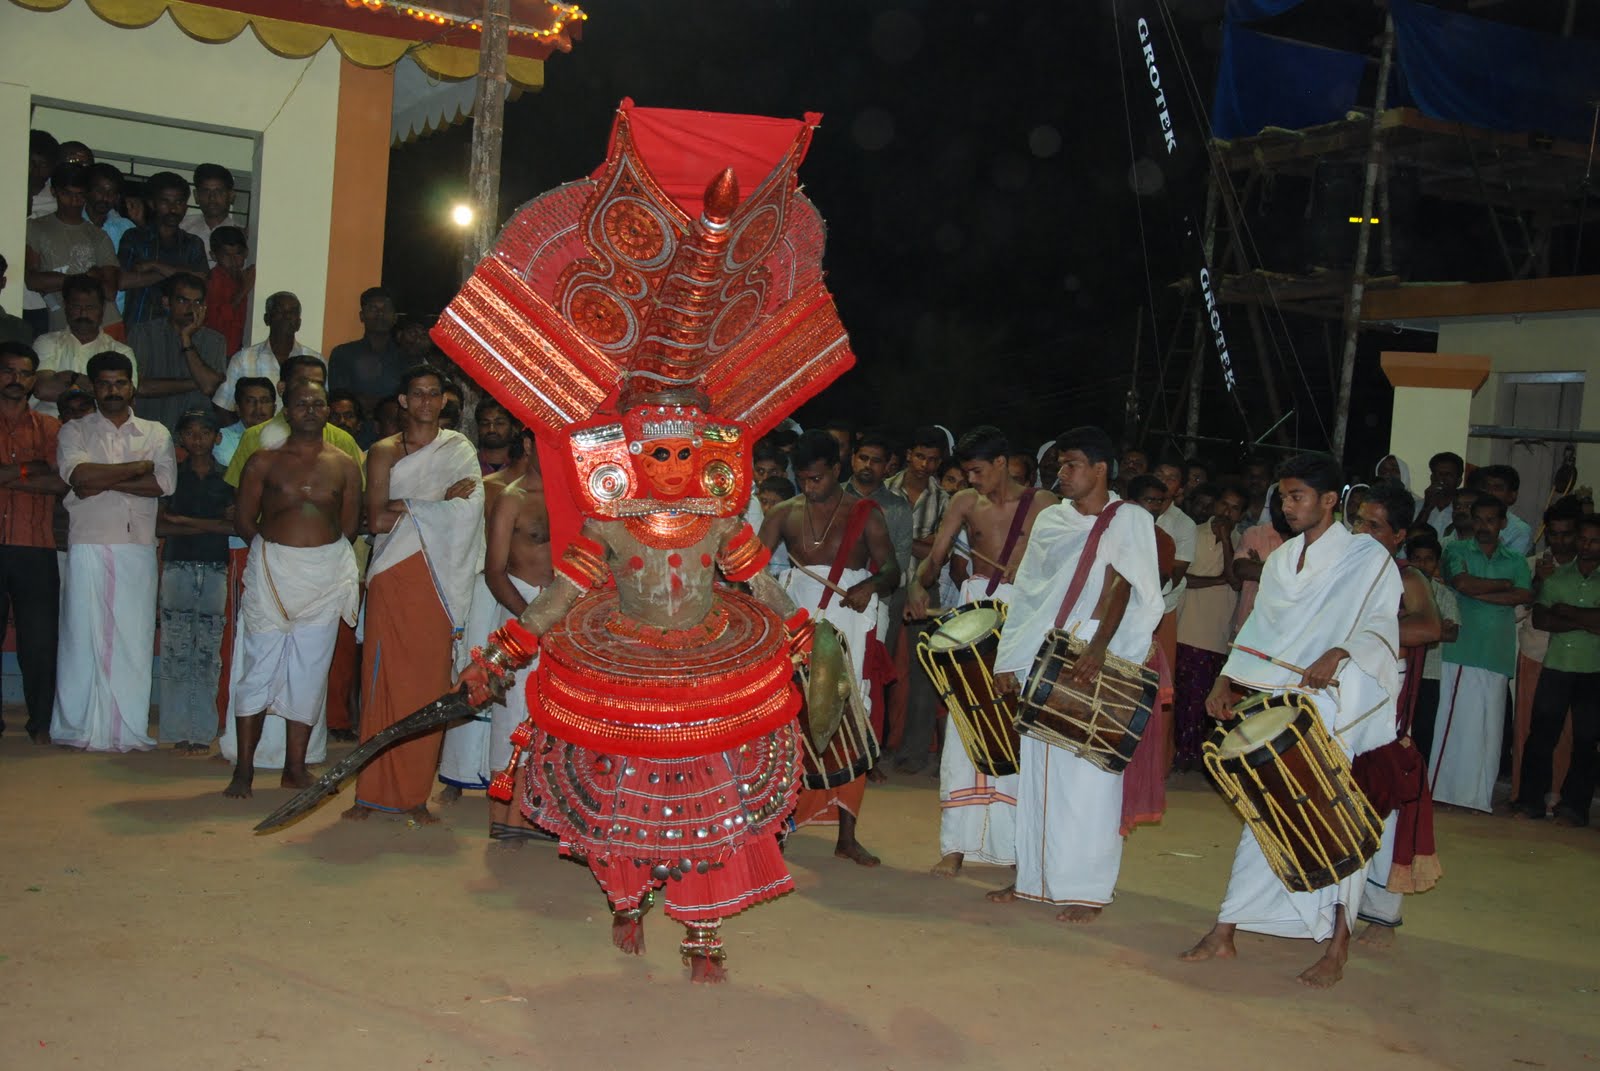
{"x": 488, "y": 115}
{"x": 1358, "y": 277}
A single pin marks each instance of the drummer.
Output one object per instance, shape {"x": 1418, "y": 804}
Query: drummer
{"x": 995, "y": 514}
{"x": 1070, "y": 811}
{"x": 1327, "y": 602}
{"x": 834, "y": 535}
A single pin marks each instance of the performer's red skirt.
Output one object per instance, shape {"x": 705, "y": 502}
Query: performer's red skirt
{"x": 702, "y": 829}
{"x": 668, "y": 758}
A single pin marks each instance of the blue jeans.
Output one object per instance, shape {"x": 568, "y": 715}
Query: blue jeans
{"x": 194, "y": 605}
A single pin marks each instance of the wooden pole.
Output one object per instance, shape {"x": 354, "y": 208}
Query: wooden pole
{"x": 488, "y": 121}
{"x": 1358, "y": 277}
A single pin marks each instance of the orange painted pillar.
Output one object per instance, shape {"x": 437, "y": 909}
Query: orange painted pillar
{"x": 360, "y": 196}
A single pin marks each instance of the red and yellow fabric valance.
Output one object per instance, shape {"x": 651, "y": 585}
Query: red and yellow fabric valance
{"x": 440, "y": 35}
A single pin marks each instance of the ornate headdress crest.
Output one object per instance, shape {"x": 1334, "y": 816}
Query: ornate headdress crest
{"x": 636, "y": 303}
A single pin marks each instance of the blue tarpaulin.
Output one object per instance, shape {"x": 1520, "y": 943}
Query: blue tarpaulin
{"x": 1451, "y": 66}
{"x": 1496, "y": 76}
{"x": 1309, "y": 84}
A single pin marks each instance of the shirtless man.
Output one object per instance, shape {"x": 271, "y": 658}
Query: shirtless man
{"x": 813, "y": 526}
{"x": 469, "y": 748}
{"x": 517, "y": 567}
{"x": 996, "y": 512}
{"x": 299, "y": 506}
{"x": 1386, "y": 516}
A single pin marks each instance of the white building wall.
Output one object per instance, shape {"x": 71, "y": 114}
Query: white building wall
{"x": 72, "y": 58}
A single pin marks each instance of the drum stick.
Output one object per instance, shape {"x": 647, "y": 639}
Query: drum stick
{"x": 982, "y": 557}
{"x": 824, "y": 581}
{"x": 1280, "y": 663}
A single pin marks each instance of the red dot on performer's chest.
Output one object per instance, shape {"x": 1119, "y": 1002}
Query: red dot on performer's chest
{"x": 635, "y": 563}
{"x": 705, "y": 561}
{"x": 677, "y": 582}
{"x": 674, "y": 559}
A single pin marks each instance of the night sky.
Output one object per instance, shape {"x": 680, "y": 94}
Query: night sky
{"x": 973, "y": 165}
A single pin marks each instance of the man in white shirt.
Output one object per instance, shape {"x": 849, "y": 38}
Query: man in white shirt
{"x": 1438, "y": 504}
{"x": 282, "y": 318}
{"x": 117, "y": 465}
{"x": 64, "y": 355}
{"x": 213, "y": 192}
{"x": 1183, "y": 531}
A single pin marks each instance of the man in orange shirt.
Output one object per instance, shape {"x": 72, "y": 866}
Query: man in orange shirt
{"x": 29, "y": 580}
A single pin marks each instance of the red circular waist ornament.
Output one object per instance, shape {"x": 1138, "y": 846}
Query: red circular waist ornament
{"x": 634, "y": 690}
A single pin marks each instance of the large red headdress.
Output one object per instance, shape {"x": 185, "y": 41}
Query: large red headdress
{"x": 653, "y": 308}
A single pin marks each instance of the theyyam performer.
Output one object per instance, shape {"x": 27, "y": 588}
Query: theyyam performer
{"x": 1327, "y": 603}
{"x": 1069, "y": 810}
{"x": 647, "y": 324}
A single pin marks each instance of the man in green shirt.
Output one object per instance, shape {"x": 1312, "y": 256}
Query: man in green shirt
{"x": 275, "y": 432}
{"x": 1569, "y": 610}
{"x": 1490, "y": 581}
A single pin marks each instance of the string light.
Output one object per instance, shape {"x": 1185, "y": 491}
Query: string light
{"x": 565, "y": 15}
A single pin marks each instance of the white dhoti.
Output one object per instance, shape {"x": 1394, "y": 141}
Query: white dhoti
{"x": 855, "y": 626}
{"x": 1466, "y": 736}
{"x": 977, "y": 813}
{"x": 1378, "y": 904}
{"x": 292, "y": 601}
{"x": 467, "y": 760}
{"x": 103, "y": 658}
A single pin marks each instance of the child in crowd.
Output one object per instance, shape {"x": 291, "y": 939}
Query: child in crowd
{"x": 1423, "y": 553}
{"x": 196, "y": 520}
{"x": 228, "y": 286}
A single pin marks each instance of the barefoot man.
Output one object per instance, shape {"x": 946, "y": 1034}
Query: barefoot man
{"x": 517, "y": 567}
{"x": 465, "y": 761}
{"x": 425, "y": 504}
{"x": 1326, "y": 602}
{"x": 299, "y": 507}
{"x": 826, "y": 530}
{"x": 1069, "y": 811}
{"x": 978, "y": 813}
{"x": 1386, "y": 516}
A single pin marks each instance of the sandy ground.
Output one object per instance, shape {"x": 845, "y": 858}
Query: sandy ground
{"x": 146, "y": 927}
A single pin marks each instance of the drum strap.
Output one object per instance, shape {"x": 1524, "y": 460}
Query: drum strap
{"x": 1086, "y": 559}
{"x": 854, "y": 525}
{"x": 1024, "y": 504}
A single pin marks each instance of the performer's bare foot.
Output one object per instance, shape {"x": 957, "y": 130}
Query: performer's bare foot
{"x": 421, "y": 816}
{"x": 1001, "y": 896}
{"x": 1377, "y": 937}
{"x": 506, "y": 844}
{"x": 628, "y": 934}
{"x": 295, "y": 778}
{"x": 949, "y": 866}
{"x": 1079, "y": 913}
{"x": 706, "y": 971}
{"x": 1218, "y": 944}
{"x": 358, "y": 812}
{"x": 448, "y": 794}
{"x": 854, "y": 852}
{"x": 877, "y": 776}
{"x": 240, "y": 787}
{"x": 1326, "y": 972}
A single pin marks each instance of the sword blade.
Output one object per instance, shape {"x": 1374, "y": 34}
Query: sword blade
{"x": 447, "y": 708}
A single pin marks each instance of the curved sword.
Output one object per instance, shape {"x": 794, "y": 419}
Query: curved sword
{"x": 447, "y": 708}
